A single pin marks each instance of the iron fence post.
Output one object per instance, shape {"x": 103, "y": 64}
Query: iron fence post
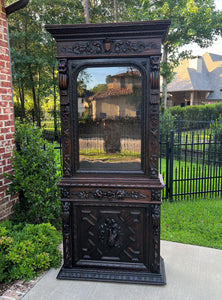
{"x": 171, "y": 165}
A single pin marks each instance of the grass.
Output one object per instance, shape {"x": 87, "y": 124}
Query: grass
{"x": 193, "y": 222}
{"x": 95, "y": 154}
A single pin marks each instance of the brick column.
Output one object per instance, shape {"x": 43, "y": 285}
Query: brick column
{"x": 6, "y": 118}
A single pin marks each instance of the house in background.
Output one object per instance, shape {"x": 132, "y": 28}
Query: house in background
{"x": 197, "y": 81}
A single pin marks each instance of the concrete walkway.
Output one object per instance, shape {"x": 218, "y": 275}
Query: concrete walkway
{"x": 192, "y": 272}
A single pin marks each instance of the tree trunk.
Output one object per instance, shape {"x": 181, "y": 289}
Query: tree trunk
{"x": 86, "y": 10}
{"x": 36, "y": 108}
{"x": 116, "y": 10}
{"x": 22, "y": 101}
{"x": 164, "y": 84}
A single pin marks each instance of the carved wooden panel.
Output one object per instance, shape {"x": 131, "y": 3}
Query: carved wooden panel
{"x": 108, "y": 47}
{"x": 113, "y": 234}
{"x": 110, "y": 194}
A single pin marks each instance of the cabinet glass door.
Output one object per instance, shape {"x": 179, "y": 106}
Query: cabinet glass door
{"x": 109, "y": 119}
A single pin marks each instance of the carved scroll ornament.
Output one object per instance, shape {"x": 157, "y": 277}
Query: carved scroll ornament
{"x": 118, "y": 195}
{"x": 63, "y": 76}
{"x": 155, "y": 72}
{"x": 107, "y": 47}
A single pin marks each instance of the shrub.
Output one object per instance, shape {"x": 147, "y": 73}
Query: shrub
{"x": 166, "y": 124}
{"x": 35, "y": 178}
{"x": 216, "y": 127}
{"x": 198, "y": 112}
{"x": 27, "y": 250}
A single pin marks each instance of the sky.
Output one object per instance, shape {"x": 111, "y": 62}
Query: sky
{"x": 216, "y": 48}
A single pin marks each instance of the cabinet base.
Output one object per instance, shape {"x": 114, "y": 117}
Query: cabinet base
{"x": 91, "y": 274}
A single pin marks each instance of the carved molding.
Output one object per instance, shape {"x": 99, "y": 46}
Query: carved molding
{"x": 155, "y": 97}
{"x": 66, "y": 208}
{"x": 118, "y": 195}
{"x": 63, "y": 76}
{"x": 155, "y": 213}
{"x": 154, "y": 166}
{"x": 107, "y": 47}
{"x": 155, "y": 72}
{"x": 110, "y": 275}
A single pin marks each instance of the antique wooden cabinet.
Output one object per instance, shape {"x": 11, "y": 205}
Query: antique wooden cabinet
{"x": 111, "y": 189}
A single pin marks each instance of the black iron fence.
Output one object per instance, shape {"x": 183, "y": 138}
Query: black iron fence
{"x": 191, "y": 164}
{"x": 190, "y": 157}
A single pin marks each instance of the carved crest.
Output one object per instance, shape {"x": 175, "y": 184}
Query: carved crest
{"x": 109, "y": 233}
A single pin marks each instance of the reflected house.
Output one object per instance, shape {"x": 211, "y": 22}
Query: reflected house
{"x": 122, "y": 97}
{"x": 119, "y": 106}
{"x": 84, "y": 105}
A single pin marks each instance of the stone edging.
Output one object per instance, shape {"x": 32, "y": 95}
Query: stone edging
{"x": 19, "y": 289}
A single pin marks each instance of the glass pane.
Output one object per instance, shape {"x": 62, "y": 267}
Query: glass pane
{"x": 109, "y": 117}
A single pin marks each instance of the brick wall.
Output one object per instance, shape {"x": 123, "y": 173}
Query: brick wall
{"x": 6, "y": 118}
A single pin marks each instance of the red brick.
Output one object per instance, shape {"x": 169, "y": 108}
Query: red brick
{"x": 3, "y": 44}
{"x": 2, "y": 150}
{"x": 6, "y": 84}
{"x": 4, "y": 130}
{"x": 7, "y": 168}
{"x": 4, "y": 103}
{"x": 4, "y": 117}
{"x": 4, "y": 57}
{"x": 6, "y": 155}
{"x": 7, "y": 97}
{"x": 7, "y": 110}
{"x": 2, "y": 64}
{"x": 5, "y": 71}
{"x": 3, "y": 77}
{"x": 3, "y": 91}
{"x": 3, "y": 162}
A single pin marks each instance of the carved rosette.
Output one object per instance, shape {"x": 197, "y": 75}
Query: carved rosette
{"x": 66, "y": 225}
{"x": 65, "y": 193}
{"x": 65, "y": 116}
{"x": 154, "y": 114}
{"x": 155, "y": 215}
{"x": 155, "y": 195}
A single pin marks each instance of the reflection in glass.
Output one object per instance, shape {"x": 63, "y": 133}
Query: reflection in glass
{"x": 109, "y": 117}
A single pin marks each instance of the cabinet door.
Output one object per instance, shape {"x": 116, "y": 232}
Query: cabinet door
{"x": 111, "y": 236}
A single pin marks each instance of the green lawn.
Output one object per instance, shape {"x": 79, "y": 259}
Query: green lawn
{"x": 193, "y": 222}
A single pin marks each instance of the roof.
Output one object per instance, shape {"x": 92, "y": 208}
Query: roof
{"x": 203, "y": 73}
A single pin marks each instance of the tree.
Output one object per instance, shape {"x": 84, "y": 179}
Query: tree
{"x": 86, "y": 10}
{"x": 191, "y": 22}
{"x": 33, "y": 51}
{"x": 116, "y": 10}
